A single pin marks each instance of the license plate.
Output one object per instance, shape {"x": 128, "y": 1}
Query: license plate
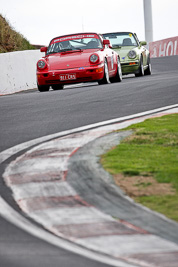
{"x": 66, "y": 77}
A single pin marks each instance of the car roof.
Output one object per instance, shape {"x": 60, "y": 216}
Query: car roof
{"x": 117, "y": 32}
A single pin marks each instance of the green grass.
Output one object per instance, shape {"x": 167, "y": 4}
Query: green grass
{"x": 166, "y": 205}
{"x": 152, "y": 150}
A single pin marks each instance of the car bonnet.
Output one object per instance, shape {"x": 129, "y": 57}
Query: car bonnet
{"x": 69, "y": 60}
{"x": 123, "y": 51}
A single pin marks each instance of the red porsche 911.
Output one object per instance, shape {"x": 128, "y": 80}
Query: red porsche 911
{"x": 77, "y": 58}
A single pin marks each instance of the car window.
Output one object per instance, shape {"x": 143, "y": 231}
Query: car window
{"x": 121, "y": 39}
{"x": 80, "y": 42}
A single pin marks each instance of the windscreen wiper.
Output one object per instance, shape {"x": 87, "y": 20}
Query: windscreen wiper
{"x": 71, "y": 50}
{"x": 65, "y": 50}
{"x": 77, "y": 49}
{"x": 52, "y": 53}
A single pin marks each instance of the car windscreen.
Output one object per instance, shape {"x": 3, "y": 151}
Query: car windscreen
{"x": 74, "y": 42}
{"x": 121, "y": 39}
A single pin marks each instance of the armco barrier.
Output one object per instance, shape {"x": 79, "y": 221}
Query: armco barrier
{"x": 18, "y": 71}
{"x": 166, "y": 47}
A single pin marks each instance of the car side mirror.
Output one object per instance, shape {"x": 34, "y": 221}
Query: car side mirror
{"x": 107, "y": 42}
{"x": 143, "y": 43}
{"x": 43, "y": 49}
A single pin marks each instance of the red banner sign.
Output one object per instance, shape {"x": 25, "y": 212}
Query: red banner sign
{"x": 163, "y": 48}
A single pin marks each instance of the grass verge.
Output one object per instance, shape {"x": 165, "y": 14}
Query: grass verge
{"x": 145, "y": 164}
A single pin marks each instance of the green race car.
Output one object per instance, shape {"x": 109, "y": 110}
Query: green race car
{"x": 135, "y": 58}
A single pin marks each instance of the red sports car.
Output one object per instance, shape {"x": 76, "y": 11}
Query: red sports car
{"x": 76, "y": 58}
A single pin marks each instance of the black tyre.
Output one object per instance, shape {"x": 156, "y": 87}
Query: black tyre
{"x": 118, "y": 77}
{"x": 43, "y": 88}
{"x": 105, "y": 79}
{"x": 58, "y": 87}
{"x": 141, "y": 69}
{"x": 148, "y": 70}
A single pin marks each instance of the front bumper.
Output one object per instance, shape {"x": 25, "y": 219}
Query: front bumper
{"x": 83, "y": 74}
{"x": 130, "y": 67}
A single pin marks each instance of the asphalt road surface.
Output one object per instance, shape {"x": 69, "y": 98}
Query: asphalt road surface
{"x": 28, "y": 115}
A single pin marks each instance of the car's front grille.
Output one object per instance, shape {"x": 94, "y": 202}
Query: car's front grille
{"x": 84, "y": 78}
{"x": 51, "y": 81}
{"x": 130, "y": 64}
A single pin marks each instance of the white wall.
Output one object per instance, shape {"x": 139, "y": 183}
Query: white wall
{"x": 18, "y": 71}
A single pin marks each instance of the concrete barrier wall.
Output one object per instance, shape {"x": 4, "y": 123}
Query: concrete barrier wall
{"x": 18, "y": 71}
{"x": 166, "y": 47}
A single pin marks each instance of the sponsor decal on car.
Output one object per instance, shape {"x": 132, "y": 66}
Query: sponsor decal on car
{"x": 73, "y": 37}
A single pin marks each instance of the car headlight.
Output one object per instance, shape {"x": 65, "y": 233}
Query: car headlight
{"x": 94, "y": 58}
{"x": 132, "y": 54}
{"x": 41, "y": 64}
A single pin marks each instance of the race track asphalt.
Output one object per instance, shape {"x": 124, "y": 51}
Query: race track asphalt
{"x": 30, "y": 115}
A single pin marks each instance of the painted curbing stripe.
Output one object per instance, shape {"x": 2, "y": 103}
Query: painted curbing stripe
{"x": 69, "y": 215}
{"x": 164, "y": 259}
{"x": 40, "y": 203}
{"x": 42, "y": 189}
{"x": 93, "y": 229}
{"x": 122, "y": 245}
{"x": 23, "y": 164}
{"x": 23, "y": 177}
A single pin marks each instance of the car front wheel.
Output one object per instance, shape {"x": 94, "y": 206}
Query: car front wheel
{"x": 105, "y": 79}
{"x": 118, "y": 76}
{"x": 58, "y": 87}
{"x": 141, "y": 69}
{"x": 43, "y": 88}
{"x": 148, "y": 70}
